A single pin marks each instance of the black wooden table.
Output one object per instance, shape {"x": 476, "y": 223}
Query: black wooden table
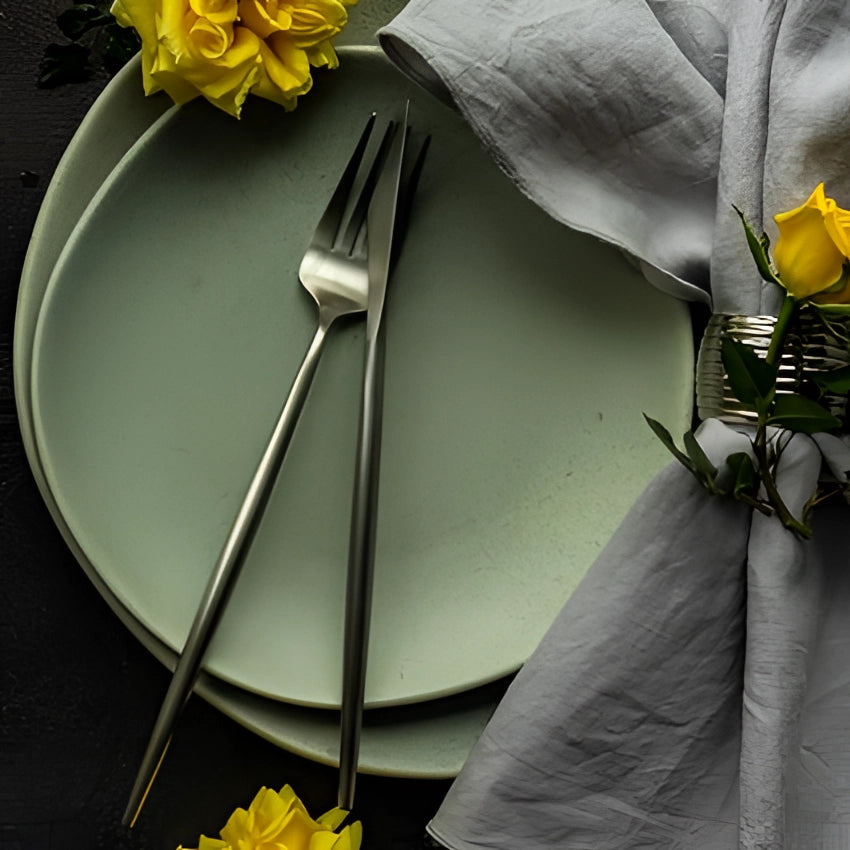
{"x": 79, "y": 693}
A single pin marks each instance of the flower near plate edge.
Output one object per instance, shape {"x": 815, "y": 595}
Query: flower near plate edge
{"x": 223, "y": 50}
{"x": 278, "y": 819}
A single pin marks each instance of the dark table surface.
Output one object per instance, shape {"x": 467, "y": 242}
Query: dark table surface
{"x": 79, "y": 692}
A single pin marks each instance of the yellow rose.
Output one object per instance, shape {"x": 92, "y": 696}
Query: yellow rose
{"x": 295, "y": 36}
{"x": 279, "y": 820}
{"x": 193, "y": 47}
{"x": 224, "y": 49}
{"x": 813, "y": 246}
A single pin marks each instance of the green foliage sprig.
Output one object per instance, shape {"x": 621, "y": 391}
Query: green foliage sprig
{"x": 94, "y": 41}
{"x": 751, "y": 477}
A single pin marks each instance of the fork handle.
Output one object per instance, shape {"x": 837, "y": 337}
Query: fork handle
{"x": 225, "y": 572}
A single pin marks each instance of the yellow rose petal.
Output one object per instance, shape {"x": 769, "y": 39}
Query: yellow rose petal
{"x": 280, "y": 821}
{"x": 212, "y": 844}
{"x": 271, "y": 816}
{"x": 209, "y": 39}
{"x": 348, "y": 839}
{"x": 317, "y": 21}
{"x": 138, "y": 14}
{"x": 172, "y": 27}
{"x": 323, "y": 56}
{"x": 164, "y": 75}
{"x": 286, "y": 70}
{"x": 837, "y": 222}
{"x": 205, "y": 843}
{"x": 237, "y": 824}
{"x": 351, "y": 837}
{"x": 262, "y": 20}
{"x": 324, "y": 841}
{"x": 227, "y": 80}
{"x": 333, "y": 818}
{"x": 298, "y": 830}
{"x": 288, "y": 796}
{"x": 216, "y": 11}
{"x": 119, "y": 11}
{"x": 806, "y": 257}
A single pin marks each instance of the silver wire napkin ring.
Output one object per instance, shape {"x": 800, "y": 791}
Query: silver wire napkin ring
{"x": 812, "y": 347}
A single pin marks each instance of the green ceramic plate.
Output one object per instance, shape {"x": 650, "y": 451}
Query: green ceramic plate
{"x": 520, "y": 358}
{"x": 424, "y": 740}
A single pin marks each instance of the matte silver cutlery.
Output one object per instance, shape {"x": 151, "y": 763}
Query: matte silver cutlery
{"x": 361, "y": 556}
{"x": 345, "y": 274}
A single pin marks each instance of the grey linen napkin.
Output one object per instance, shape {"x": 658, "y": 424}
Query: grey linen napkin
{"x": 695, "y": 690}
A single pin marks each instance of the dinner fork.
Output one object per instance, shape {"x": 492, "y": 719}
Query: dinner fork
{"x": 334, "y": 271}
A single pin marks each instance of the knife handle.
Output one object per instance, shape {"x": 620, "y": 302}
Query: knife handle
{"x": 361, "y": 559}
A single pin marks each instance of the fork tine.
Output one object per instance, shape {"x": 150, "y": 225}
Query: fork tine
{"x": 361, "y": 206}
{"x": 328, "y": 226}
{"x": 412, "y": 169}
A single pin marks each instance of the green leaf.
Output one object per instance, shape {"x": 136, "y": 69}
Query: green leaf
{"x": 759, "y": 249}
{"x": 832, "y": 309}
{"x": 64, "y": 63}
{"x": 745, "y": 479}
{"x": 706, "y": 469}
{"x": 801, "y": 415}
{"x": 664, "y": 435}
{"x": 121, "y": 45}
{"x": 78, "y": 20}
{"x": 836, "y": 381}
{"x": 751, "y": 378}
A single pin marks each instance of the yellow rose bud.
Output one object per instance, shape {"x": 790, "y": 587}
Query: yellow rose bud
{"x": 813, "y": 246}
{"x": 838, "y": 225}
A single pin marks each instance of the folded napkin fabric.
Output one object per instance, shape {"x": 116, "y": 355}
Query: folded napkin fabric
{"x": 608, "y": 737}
{"x": 643, "y": 121}
{"x": 695, "y": 690}
{"x": 560, "y": 94}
